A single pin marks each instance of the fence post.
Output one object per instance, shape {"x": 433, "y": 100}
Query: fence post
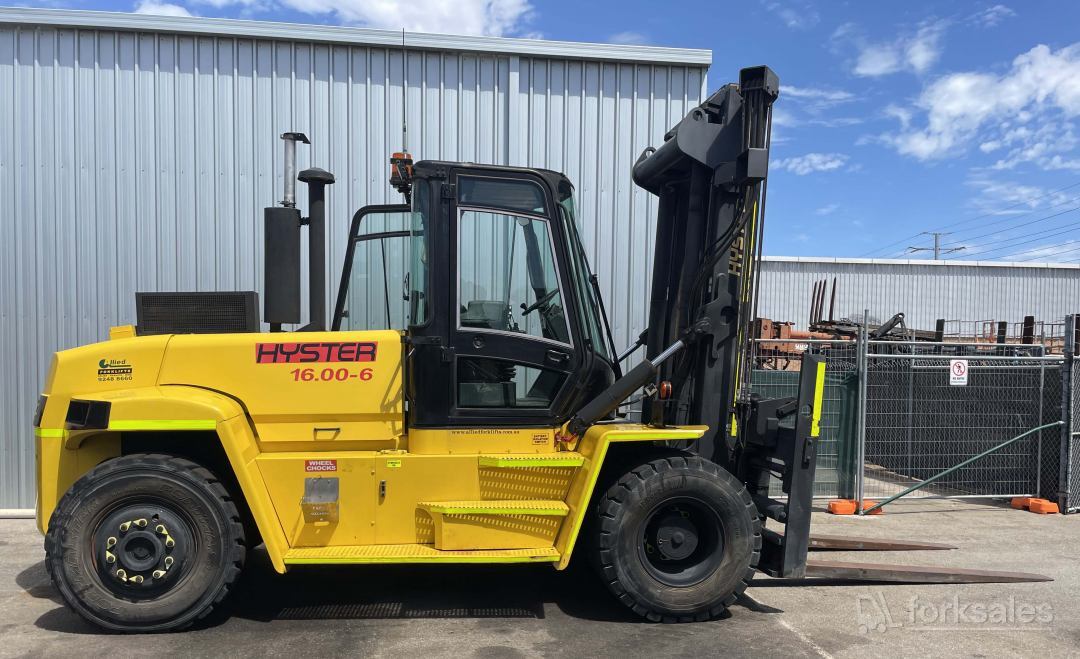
{"x": 1067, "y": 413}
{"x": 860, "y": 439}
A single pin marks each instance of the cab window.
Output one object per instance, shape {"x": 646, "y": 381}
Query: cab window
{"x": 507, "y": 277}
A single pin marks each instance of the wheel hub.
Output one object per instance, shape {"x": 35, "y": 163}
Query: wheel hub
{"x": 140, "y": 549}
{"x": 682, "y": 542}
{"x": 676, "y": 537}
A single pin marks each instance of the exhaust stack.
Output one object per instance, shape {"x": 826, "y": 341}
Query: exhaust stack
{"x": 281, "y": 267}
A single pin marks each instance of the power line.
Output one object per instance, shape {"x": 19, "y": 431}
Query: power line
{"x": 1026, "y": 224}
{"x": 1055, "y": 254}
{"x": 1012, "y": 219}
{"x": 1067, "y": 229}
{"x": 977, "y": 217}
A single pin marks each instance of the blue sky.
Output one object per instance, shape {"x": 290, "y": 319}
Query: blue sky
{"x": 894, "y": 119}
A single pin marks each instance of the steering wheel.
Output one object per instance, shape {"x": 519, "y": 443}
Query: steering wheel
{"x": 547, "y": 297}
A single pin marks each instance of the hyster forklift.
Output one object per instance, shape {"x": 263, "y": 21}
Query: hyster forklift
{"x": 489, "y": 430}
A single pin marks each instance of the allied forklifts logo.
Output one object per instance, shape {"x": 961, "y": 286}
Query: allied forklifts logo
{"x": 305, "y": 353}
{"x": 112, "y": 370}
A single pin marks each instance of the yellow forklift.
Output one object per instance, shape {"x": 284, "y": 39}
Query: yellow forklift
{"x": 491, "y": 428}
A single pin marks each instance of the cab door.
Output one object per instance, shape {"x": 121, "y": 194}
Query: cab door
{"x": 511, "y": 335}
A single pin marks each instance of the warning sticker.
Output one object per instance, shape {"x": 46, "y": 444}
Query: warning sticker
{"x": 320, "y": 465}
{"x": 393, "y": 464}
{"x": 958, "y": 372}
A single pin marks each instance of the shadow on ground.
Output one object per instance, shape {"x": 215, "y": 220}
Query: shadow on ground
{"x": 381, "y": 592}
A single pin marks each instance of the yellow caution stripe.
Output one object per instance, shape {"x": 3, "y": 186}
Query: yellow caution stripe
{"x": 819, "y": 397}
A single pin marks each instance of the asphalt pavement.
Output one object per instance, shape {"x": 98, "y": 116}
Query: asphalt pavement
{"x": 533, "y": 611}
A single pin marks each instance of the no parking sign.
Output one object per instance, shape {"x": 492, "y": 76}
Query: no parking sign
{"x": 958, "y": 371}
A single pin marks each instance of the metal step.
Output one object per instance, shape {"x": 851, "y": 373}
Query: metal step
{"x": 513, "y": 507}
{"x": 511, "y": 460}
{"x": 414, "y": 554}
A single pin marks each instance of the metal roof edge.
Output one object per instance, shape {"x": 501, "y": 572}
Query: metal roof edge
{"x": 353, "y": 35}
{"x": 922, "y": 262}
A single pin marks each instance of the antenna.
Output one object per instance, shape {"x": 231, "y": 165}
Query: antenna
{"x": 401, "y": 162}
{"x": 404, "y": 95}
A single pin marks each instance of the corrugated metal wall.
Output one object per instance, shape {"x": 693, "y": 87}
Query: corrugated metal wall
{"x": 141, "y": 161}
{"x": 923, "y": 291}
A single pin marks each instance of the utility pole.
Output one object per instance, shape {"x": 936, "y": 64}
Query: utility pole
{"x": 936, "y": 249}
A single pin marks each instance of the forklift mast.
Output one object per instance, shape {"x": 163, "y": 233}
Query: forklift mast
{"x": 710, "y": 178}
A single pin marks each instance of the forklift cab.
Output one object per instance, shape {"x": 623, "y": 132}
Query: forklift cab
{"x": 485, "y": 273}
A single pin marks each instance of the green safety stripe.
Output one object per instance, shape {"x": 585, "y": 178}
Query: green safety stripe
{"x": 451, "y": 509}
{"x": 495, "y": 461}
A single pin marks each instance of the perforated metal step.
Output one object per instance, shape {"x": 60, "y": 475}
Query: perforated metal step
{"x": 519, "y": 507}
{"x": 415, "y": 554}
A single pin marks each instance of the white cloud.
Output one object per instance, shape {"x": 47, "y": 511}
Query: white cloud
{"x": 1003, "y": 197}
{"x": 812, "y": 106}
{"x": 818, "y": 94}
{"x": 160, "y": 8}
{"x": 991, "y": 16}
{"x": 811, "y": 162}
{"x": 631, "y": 38}
{"x": 797, "y": 14}
{"x": 1027, "y": 110}
{"x": 916, "y": 52}
{"x": 827, "y": 209}
{"x": 482, "y": 17}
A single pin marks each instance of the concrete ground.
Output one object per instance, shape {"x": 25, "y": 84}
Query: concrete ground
{"x": 514, "y": 611}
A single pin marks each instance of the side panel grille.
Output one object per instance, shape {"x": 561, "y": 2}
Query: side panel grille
{"x": 197, "y": 313}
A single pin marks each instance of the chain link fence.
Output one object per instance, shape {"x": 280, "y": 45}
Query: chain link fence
{"x": 1069, "y": 470}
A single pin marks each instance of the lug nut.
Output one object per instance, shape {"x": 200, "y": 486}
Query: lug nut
{"x": 138, "y": 578}
{"x": 169, "y": 542}
{"x": 141, "y": 523}
{"x": 110, "y": 542}
{"x": 168, "y": 562}
{"x": 160, "y": 528}
{"x": 121, "y": 575}
{"x": 158, "y": 574}
{"x": 110, "y": 558}
{"x": 125, "y": 526}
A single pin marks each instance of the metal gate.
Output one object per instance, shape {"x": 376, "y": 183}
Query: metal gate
{"x": 894, "y": 417}
{"x": 930, "y": 406}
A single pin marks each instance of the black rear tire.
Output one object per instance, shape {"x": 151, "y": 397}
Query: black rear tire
{"x": 676, "y": 539}
{"x": 145, "y": 543}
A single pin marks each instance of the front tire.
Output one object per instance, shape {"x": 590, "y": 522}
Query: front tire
{"x": 677, "y": 539}
{"x": 145, "y": 543}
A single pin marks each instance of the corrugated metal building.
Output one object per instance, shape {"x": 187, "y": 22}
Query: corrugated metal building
{"x": 965, "y": 291}
{"x": 136, "y": 153}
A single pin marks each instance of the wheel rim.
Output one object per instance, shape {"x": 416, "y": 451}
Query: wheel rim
{"x": 140, "y": 549}
{"x": 682, "y": 542}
